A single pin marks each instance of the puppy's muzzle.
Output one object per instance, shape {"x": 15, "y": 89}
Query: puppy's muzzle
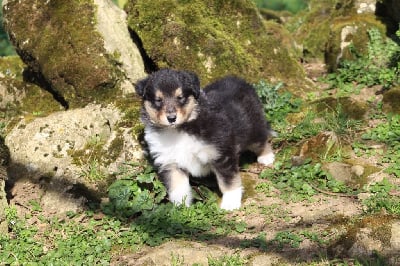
{"x": 170, "y": 112}
{"x": 171, "y": 118}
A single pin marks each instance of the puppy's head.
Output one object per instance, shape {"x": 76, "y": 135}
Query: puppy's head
{"x": 169, "y": 97}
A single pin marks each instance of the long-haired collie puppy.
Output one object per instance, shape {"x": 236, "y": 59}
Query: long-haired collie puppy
{"x": 192, "y": 132}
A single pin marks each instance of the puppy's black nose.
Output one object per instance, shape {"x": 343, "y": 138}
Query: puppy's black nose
{"x": 171, "y": 118}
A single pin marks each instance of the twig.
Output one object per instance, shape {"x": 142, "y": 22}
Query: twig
{"x": 199, "y": 193}
{"x": 333, "y": 193}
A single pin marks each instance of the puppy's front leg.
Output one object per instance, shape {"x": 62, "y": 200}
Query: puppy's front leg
{"x": 230, "y": 183}
{"x": 177, "y": 183}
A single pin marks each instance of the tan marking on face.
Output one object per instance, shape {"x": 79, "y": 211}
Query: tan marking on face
{"x": 154, "y": 115}
{"x": 178, "y": 92}
{"x": 184, "y": 113}
{"x": 188, "y": 112}
{"x": 159, "y": 94}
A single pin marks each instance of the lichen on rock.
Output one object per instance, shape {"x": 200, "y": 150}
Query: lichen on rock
{"x": 81, "y": 146}
{"x": 212, "y": 38}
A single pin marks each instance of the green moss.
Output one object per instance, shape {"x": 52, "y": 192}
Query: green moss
{"x": 249, "y": 184}
{"x": 93, "y": 151}
{"x": 115, "y": 148}
{"x": 348, "y": 106}
{"x": 11, "y": 67}
{"x": 359, "y": 39}
{"x": 131, "y": 108}
{"x": 59, "y": 40}
{"x": 379, "y": 224}
{"x": 38, "y": 101}
{"x": 391, "y": 100}
{"x": 23, "y": 99}
{"x": 211, "y": 38}
{"x": 312, "y": 27}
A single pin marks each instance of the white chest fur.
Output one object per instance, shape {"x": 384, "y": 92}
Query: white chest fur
{"x": 169, "y": 146}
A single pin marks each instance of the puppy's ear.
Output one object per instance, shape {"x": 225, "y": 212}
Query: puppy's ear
{"x": 192, "y": 81}
{"x": 140, "y": 86}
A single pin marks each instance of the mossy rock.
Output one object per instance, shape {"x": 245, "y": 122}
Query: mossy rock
{"x": 12, "y": 67}
{"x": 346, "y": 105}
{"x": 349, "y": 38}
{"x": 59, "y": 42}
{"x": 391, "y": 100}
{"x": 212, "y": 38}
{"x": 19, "y": 98}
{"x": 311, "y": 28}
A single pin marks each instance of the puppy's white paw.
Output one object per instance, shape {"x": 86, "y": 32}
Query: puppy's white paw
{"x": 231, "y": 200}
{"x": 266, "y": 159}
{"x": 182, "y": 195}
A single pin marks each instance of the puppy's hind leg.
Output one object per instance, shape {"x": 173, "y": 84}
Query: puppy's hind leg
{"x": 178, "y": 186}
{"x": 266, "y": 155}
{"x": 230, "y": 184}
{"x": 264, "y": 152}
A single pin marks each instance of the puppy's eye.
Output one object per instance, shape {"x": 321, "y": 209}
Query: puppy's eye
{"x": 181, "y": 99}
{"x": 158, "y": 101}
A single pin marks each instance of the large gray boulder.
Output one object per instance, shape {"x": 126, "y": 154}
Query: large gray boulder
{"x": 68, "y": 150}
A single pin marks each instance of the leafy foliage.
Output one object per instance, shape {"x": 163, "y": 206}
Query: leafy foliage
{"x": 298, "y": 183}
{"x": 277, "y": 105}
{"x": 382, "y": 199}
{"x": 136, "y": 191}
{"x": 388, "y": 132}
{"x": 379, "y": 67}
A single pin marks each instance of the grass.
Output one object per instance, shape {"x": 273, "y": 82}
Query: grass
{"x": 86, "y": 238}
{"x": 231, "y": 260}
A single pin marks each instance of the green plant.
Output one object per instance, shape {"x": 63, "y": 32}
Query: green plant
{"x": 294, "y": 239}
{"x": 277, "y": 105}
{"x": 377, "y": 67}
{"x": 287, "y": 238}
{"x": 86, "y": 239}
{"x": 338, "y": 121}
{"x": 298, "y": 183}
{"x": 92, "y": 171}
{"x": 177, "y": 260}
{"x": 257, "y": 242}
{"x": 293, "y": 6}
{"x": 5, "y": 46}
{"x": 382, "y": 198}
{"x": 388, "y": 132}
{"x": 137, "y": 190}
{"x": 227, "y": 260}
